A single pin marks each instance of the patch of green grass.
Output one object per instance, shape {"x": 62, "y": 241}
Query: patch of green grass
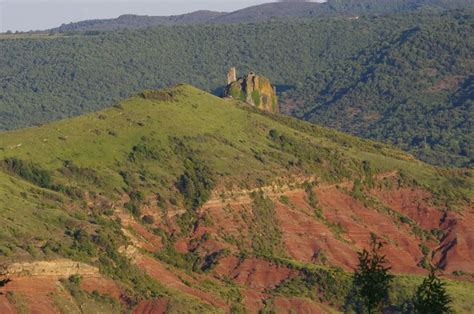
{"x": 404, "y": 287}
{"x": 264, "y": 229}
{"x": 256, "y": 97}
{"x": 91, "y": 302}
{"x": 451, "y": 188}
{"x": 171, "y": 257}
{"x": 18, "y": 301}
{"x": 225, "y": 289}
{"x": 325, "y": 284}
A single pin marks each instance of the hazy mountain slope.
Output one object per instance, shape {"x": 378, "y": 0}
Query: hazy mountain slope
{"x": 138, "y": 21}
{"x": 349, "y": 74}
{"x": 268, "y": 11}
{"x": 336, "y": 7}
{"x": 181, "y": 201}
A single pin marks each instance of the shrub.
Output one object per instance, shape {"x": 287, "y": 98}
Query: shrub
{"x": 264, "y": 228}
{"x": 75, "y": 279}
{"x": 136, "y": 196}
{"x": 196, "y": 183}
{"x": 28, "y": 171}
{"x": 425, "y": 249}
{"x": 133, "y": 208}
{"x": 312, "y": 197}
{"x": 173, "y": 201}
{"x": 184, "y": 261}
{"x": 69, "y": 169}
{"x": 142, "y": 151}
{"x": 148, "y": 219}
{"x": 405, "y": 220}
{"x": 161, "y": 95}
{"x": 431, "y": 296}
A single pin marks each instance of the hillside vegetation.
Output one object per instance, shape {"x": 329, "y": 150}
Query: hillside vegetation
{"x": 413, "y": 89}
{"x": 125, "y": 188}
{"x": 404, "y": 79}
{"x": 264, "y": 12}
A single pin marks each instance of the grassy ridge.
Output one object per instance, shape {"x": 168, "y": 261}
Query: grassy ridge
{"x": 143, "y": 144}
{"x": 170, "y": 147}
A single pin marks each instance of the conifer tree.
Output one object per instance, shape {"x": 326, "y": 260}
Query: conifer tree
{"x": 372, "y": 278}
{"x": 431, "y": 296}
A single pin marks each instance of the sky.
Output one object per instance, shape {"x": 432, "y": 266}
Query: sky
{"x": 25, "y": 15}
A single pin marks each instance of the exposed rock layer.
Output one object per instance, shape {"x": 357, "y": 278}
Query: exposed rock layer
{"x": 60, "y": 268}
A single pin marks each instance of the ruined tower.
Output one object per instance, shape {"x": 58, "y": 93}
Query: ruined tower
{"x": 253, "y": 89}
{"x": 231, "y": 75}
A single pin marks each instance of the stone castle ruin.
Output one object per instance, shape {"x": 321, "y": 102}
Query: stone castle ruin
{"x": 253, "y": 89}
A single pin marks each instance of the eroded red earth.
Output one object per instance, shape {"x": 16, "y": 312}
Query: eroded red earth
{"x": 330, "y": 234}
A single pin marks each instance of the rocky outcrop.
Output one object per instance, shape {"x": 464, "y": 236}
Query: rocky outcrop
{"x": 60, "y": 268}
{"x": 253, "y": 89}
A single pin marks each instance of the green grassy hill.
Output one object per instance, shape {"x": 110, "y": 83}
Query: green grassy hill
{"x": 167, "y": 127}
{"x": 61, "y": 183}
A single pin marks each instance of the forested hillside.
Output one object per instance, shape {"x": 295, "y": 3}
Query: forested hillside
{"x": 405, "y": 79}
{"x": 287, "y": 9}
{"x": 130, "y": 21}
{"x": 259, "y": 13}
{"x": 414, "y": 88}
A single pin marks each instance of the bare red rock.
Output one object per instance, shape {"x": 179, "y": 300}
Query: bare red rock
{"x": 297, "y": 305}
{"x": 5, "y": 306}
{"x": 256, "y": 274}
{"x": 156, "y": 306}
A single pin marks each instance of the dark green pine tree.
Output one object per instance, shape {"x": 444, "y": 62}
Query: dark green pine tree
{"x": 431, "y": 296}
{"x": 3, "y": 282}
{"x": 372, "y": 279}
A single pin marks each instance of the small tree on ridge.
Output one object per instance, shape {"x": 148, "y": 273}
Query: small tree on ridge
{"x": 431, "y": 296}
{"x": 372, "y": 278}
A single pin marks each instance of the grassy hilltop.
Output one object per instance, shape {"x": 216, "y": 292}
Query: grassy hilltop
{"x": 61, "y": 184}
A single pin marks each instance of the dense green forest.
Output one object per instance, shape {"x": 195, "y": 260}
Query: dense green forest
{"x": 337, "y": 8}
{"x": 414, "y": 89}
{"x": 405, "y": 79}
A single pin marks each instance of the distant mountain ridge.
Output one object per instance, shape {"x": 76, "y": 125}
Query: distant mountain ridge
{"x": 132, "y": 21}
{"x": 265, "y": 12}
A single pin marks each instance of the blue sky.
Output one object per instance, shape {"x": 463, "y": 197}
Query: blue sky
{"x": 25, "y": 15}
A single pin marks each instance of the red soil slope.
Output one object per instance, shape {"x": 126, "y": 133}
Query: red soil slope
{"x": 35, "y": 293}
{"x": 156, "y": 306}
{"x": 5, "y": 306}
{"x": 330, "y": 234}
